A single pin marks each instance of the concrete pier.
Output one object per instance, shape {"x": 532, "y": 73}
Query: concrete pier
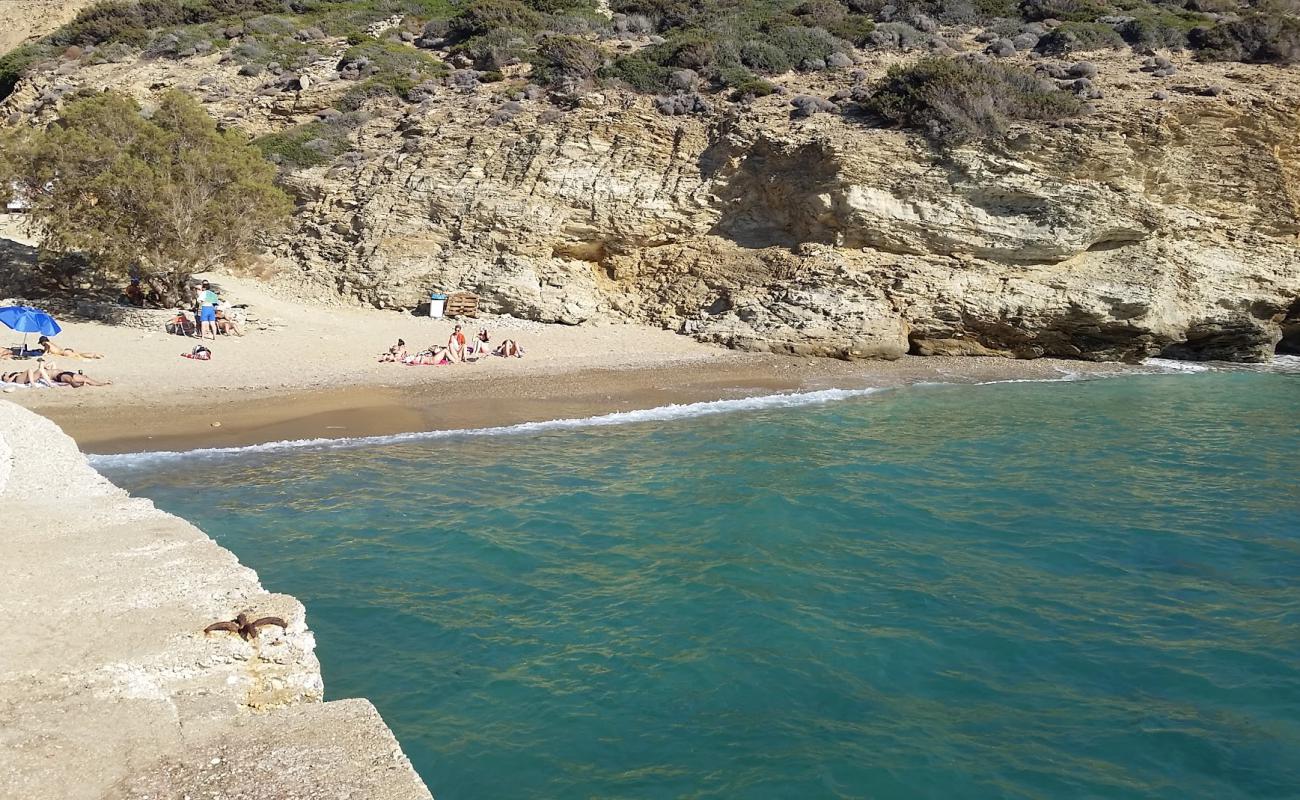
{"x": 108, "y": 686}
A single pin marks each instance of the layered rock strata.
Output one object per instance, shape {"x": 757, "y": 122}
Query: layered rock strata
{"x": 1150, "y": 226}
{"x": 1165, "y": 230}
{"x": 108, "y": 686}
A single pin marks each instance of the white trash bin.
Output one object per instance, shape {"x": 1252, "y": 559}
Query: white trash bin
{"x": 437, "y": 303}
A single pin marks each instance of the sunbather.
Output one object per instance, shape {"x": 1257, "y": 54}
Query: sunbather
{"x": 395, "y": 353}
{"x": 479, "y": 347}
{"x": 74, "y": 379}
{"x": 509, "y": 348}
{"x": 435, "y": 355}
{"x": 52, "y": 349}
{"x": 34, "y": 375}
{"x": 456, "y": 345}
{"x": 226, "y": 325}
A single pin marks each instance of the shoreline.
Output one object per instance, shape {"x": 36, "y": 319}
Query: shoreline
{"x": 106, "y": 427}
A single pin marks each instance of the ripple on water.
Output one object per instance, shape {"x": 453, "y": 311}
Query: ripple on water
{"x": 1030, "y": 590}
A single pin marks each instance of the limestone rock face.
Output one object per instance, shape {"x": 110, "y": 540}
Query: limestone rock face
{"x": 1144, "y": 228}
{"x": 1158, "y": 230}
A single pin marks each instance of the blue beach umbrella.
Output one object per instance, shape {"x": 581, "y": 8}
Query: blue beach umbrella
{"x": 26, "y": 319}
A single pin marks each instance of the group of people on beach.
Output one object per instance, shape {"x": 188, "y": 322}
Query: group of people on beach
{"x": 44, "y": 373}
{"x": 40, "y": 372}
{"x": 209, "y": 318}
{"x": 456, "y": 351}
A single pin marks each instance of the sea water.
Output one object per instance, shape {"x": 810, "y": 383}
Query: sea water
{"x": 1027, "y": 590}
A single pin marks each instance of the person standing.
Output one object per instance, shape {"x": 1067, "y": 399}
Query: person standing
{"x": 207, "y": 311}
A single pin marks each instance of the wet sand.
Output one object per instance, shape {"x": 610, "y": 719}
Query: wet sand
{"x": 192, "y": 420}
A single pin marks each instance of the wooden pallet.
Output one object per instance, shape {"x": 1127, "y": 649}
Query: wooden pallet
{"x": 462, "y": 304}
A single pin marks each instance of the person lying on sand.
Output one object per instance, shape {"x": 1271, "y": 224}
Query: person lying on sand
{"x": 34, "y": 375}
{"x": 76, "y": 379}
{"x": 434, "y": 355}
{"x": 52, "y": 349}
{"x": 509, "y": 348}
{"x": 395, "y": 353}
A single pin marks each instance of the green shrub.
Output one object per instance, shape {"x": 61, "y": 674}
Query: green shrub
{"x": 306, "y": 145}
{"x": 639, "y": 72}
{"x": 764, "y": 57}
{"x": 560, "y": 6}
{"x": 954, "y": 100}
{"x": 1064, "y": 10}
{"x": 1071, "y": 37}
{"x": 14, "y": 63}
{"x": 993, "y": 9}
{"x": 744, "y": 83}
{"x": 855, "y": 29}
{"x": 695, "y": 49}
{"x": 670, "y": 13}
{"x": 482, "y": 17}
{"x": 757, "y": 87}
{"x": 1159, "y": 30}
{"x": 1258, "y": 38}
{"x": 821, "y": 12}
{"x": 496, "y": 49}
{"x": 394, "y": 57}
{"x": 568, "y": 56}
{"x": 130, "y": 21}
{"x": 806, "y": 44}
{"x": 383, "y": 85}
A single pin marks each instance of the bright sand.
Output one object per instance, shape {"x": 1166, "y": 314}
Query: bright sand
{"x": 318, "y": 376}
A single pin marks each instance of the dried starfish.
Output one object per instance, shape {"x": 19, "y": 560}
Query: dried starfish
{"x": 243, "y": 626}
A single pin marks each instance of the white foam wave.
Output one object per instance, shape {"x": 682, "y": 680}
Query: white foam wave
{"x": 1173, "y": 365}
{"x": 1278, "y": 364}
{"x": 659, "y": 414}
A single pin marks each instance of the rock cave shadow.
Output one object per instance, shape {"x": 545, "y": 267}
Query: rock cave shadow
{"x": 768, "y": 201}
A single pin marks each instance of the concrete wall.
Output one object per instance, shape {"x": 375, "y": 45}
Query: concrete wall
{"x": 108, "y": 686}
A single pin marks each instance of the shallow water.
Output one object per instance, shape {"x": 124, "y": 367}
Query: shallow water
{"x": 1019, "y": 590}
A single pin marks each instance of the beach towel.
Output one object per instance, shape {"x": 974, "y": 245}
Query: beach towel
{"x": 9, "y": 387}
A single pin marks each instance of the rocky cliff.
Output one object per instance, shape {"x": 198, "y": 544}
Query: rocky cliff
{"x": 1167, "y": 227}
{"x": 1164, "y": 221}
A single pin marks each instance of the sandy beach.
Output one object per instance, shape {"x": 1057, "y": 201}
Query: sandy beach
{"x": 317, "y": 375}
{"x": 305, "y": 370}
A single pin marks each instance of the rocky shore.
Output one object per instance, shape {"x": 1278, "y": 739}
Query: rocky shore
{"x": 109, "y": 687}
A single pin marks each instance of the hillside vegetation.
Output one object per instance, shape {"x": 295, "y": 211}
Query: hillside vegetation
{"x": 726, "y": 50}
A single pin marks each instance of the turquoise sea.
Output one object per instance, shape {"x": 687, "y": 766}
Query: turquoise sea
{"x": 1020, "y": 590}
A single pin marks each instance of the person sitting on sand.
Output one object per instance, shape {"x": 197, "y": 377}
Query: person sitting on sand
{"x": 395, "y": 353}
{"x": 76, "y": 379}
{"x": 479, "y": 347}
{"x": 34, "y": 375}
{"x": 180, "y": 325}
{"x": 509, "y": 348}
{"x": 227, "y": 326}
{"x": 456, "y": 345}
{"x": 52, "y": 349}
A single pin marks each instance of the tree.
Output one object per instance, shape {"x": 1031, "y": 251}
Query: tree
{"x": 166, "y": 194}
